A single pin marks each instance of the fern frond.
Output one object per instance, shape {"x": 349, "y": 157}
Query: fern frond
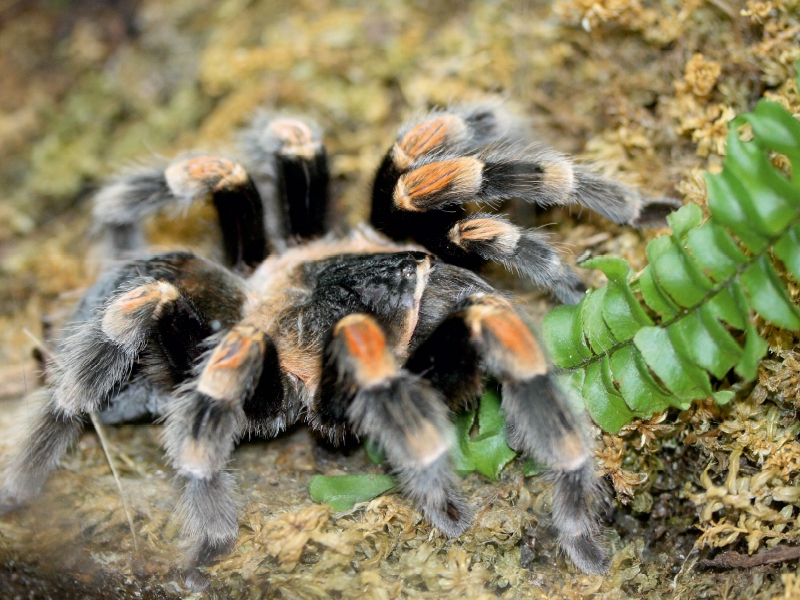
{"x": 664, "y": 336}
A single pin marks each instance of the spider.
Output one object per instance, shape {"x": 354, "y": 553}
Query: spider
{"x": 383, "y": 332}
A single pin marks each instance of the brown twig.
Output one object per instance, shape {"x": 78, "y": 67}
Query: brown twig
{"x": 98, "y": 427}
{"x": 734, "y": 560}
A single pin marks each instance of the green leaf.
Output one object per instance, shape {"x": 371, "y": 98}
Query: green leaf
{"x": 704, "y": 342}
{"x": 700, "y": 282}
{"x": 654, "y": 296}
{"x": 491, "y": 419}
{"x": 658, "y": 247}
{"x": 728, "y": 348}
{"x": 724, "y": 396}
{"x": 765, "y": 193}
{"x": 459, "y": 453}
{"x": 614, "y": 268}
{"x": 768, "y": 296}
{"x": 597, "y": 332}
{"x": 788, "y": 250}
{"x": 342, "y": 492}
{"x": 725, "y": 200}
{"x": 754, "y": 350}
{"x": 604, "y": 403}
{"x": 639, "y": 389}
{"x": 531, "y": 468}
{"x": 715, "y": 251}
{"x": 724, "y": 307}
{"x": 684, "y": 219}
{"x": 622, "y": 312}
{"x": 491, "y": 454}
{"x": 572, "y": 381}
{"x": 684, "y": 379}
{"x": 754, "y": 346}
{"x": 775, "y": 127}
{"x": 488, "y": 452}
{"x": 680, "y": 277}
{"x": 375, "y": 453}
{"x": 563, "y": 336}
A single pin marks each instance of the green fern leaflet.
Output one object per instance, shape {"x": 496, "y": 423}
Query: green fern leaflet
{"x": 662, "y": 337}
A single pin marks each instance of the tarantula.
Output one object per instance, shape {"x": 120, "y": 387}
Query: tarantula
{"x": 383, "y": 333}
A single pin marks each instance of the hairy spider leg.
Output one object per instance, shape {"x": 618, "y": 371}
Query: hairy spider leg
{"x": 435, "y": 133}
{"x": 289, "y": 166}
{"x": 448, "y": 159}
{"x": 505, "y": 172}
{"x": 363, "y": 385}
{"x": 485, "y": 334}
{"x": 464, "y": 129}
{"x": 106, "y": 356}
{"x": 121, "y": 206}
{"x": 50, "y": 435}
{"x": 526, "y": 252}
{"x": 237, "y": 380}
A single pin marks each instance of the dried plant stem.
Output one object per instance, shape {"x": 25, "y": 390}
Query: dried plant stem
{"x": 98, "y": 426}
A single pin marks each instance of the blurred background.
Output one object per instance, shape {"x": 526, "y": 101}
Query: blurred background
{"x": 644, "y": 89}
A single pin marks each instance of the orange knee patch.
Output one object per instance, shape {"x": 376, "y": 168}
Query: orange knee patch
{"x": 297, "y": 137}
{"x": 232, "y": 363}
{"x": 424, "y": 137}
{"x": 519, "y": 349}
{"x": 504, "y": 234}
{"x": 151, "y": 293}
{"x": 236, "y": 347}
{"x": 202, "y": 174}
{"x": 121, "y": 321}
{"x": 209, "y": 168}
{"x": 457, "y": 175}
{"x": 366, "y": 345}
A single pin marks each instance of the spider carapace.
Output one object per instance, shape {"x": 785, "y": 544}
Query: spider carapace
{"x": 384, "y": 332}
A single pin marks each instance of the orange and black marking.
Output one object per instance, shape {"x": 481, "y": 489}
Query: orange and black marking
{"x": 127, "y": 315}
{"x": 365, "y": 343}
{"x": 424, "y": 137}
{"x": 233, "y": 364}
{"x": 494, "y": 323}
{"x": 438, "y": 183}
{"x": 297, "y": 137}
{"x": 470, "y": 233}
{"x": 152, "y": 294}
{"x": 199, "y": 175}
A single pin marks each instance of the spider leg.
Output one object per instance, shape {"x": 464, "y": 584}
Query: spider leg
{"x": 108, "y": 338}
{"x": 50, "y": 435}
{"x": 504, "y": 172}
{"x": 363, "y": 386}
{"x": 289, "y": 166}
{"x": 480, "y": 154}
{"x": 102, "y": 354}
{"x": 484, "y": 334}
{"x": 466, "y": 129}
{"x": 527, "y": 252}
{"x": 237, "y": 381}
{"x": 120, "y": 207}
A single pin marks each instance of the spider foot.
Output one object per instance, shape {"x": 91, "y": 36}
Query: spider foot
{"x": 402, "y": 413}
